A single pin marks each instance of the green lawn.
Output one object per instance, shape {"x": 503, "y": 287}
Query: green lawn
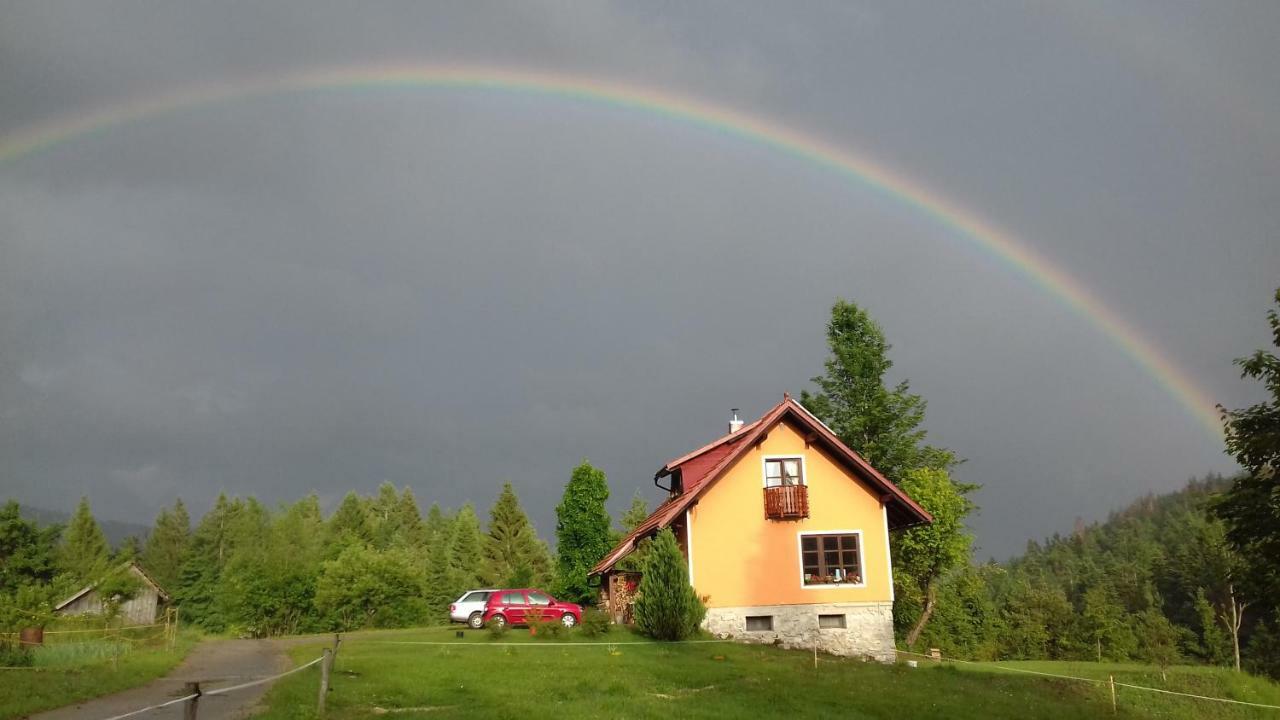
{"x": 66, "y": 672}
{"x": 477, "y": 677}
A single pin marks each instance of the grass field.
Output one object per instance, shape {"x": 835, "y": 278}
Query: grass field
{"x": 65, "y": 672}
{"x": 479, "y": 678}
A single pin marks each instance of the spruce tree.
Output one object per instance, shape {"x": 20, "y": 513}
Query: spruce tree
{"x": 666, "y": 607}
{"x": 466, "y": 553}
{"x": 513, "y": 554}
{"x": 881, "y": 423}
{"x": 84, "y": 554}
{"x": 349, "y": 525}
{"x": 583, "y": 531}
{"x": 441, "y": 580}
{"x": 409, "y": 532}
{"x": 383, "y": 516}
{"x": 201, "y": 572}
{"x": 167, "y": 545}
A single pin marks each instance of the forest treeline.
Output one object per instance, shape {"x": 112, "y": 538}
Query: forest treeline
{"x": 374, "y": 561}
{"x": 1153, "y": 583}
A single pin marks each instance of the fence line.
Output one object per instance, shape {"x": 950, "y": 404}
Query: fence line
{"x": 1095, "y": 681}
{"x": 259, "y": 681}
{"x": 538, "y": 643}
{"x": 194, "y": 697}
{"x": 149, "y": 708}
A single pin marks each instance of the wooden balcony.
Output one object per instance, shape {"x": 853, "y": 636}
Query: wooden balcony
{"x": 787, "y": 502}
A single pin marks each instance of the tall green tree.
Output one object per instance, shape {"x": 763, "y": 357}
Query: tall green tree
{"x": 167, "y": 545}
{"x": 350, "y": 524}
{"x": 583, "y": 531}
{"x": 28, "y": 566}
{"x": 666, "y": 607}
{"x": 1251, "y": 507}
{"x": 466, "y": 551}
{"x": 85, "y": 554}
{"x": 922, "y": 555}
{"x": 881, "y": 423}
{"x": 212, "y": 544}
{"x": 514, "y": 556}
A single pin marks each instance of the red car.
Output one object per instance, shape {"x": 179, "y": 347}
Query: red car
{"x": 517, "y": 607}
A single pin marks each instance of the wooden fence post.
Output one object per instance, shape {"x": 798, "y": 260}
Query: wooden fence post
{"x": 1112, "y": 680}
{"x": 190, "y": 707}
{"x": 324, "y": 680}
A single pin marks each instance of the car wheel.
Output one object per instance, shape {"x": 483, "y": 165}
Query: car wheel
{"x": 568, "y": 620}
{"x": 476, "y": 621}
{"x": 499, "y": 621}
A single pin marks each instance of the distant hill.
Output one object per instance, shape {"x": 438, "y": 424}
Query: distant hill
{"x": 115, "y": 531}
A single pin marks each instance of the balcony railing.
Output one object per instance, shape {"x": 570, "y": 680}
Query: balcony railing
{"x": 787, "y": 502}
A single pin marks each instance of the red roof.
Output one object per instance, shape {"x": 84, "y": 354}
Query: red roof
{"x": 698, "y": 470}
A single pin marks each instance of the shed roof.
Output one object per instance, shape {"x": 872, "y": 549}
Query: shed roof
{"x": 124, "y": 566}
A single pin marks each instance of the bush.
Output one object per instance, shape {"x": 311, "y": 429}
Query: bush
{"x": 14, "y": 655}
{"x": 541, "y": 627}
{"x": 666, "y": 607}
{"x": 496, "y": 631}
{"x": 595, "y": 622}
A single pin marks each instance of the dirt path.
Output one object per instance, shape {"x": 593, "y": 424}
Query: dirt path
{"x": 214, "y": 664}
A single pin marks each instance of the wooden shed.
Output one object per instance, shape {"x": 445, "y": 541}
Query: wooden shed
{"x": 143, "y": 609}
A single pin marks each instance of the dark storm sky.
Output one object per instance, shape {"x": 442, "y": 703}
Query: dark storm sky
{"x": 449, "y": 289}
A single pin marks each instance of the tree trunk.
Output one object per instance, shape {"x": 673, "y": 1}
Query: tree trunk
{"x": 1234, "y": 621}
{"x": 930, "y": 599}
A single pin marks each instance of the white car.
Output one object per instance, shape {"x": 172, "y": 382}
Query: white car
{"x": 469, "y": 608}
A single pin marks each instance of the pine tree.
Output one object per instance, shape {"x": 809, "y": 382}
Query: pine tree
{"x": 201, "y": 572}
{"x": 583, "y": 531}
{"x": 350, "y": 524}
{"x": 410, "y": 532}
{"x": 441, "y": 580}
{"x": 466, "y": 554}
{"x": 85, "y": 554}
{"x": 383, "y": 518}
{"x": 881, "y": 423}
{"x": 513, "y": 554}
{"x": 666, "y": 607}
{"x": 167, "y": 545}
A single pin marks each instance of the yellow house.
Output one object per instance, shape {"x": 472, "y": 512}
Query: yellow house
{"x": 786, "y": 533}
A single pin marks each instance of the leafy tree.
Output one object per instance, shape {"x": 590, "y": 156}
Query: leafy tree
{"x": 28, "y": 566}
{"x": 666, "y": 606}
{"x": 1251, "y": 507}
{"x": 167, "y": 544}
{"x": 923, "y": 554}
{"x": 881, "y": 423}
{"x": 85, "y": 554}
{"x": 364, "y": 587}
{"x": 513, "y": 554}
{"x": 1209, "y": 567}
{"x": 583, "y": 531}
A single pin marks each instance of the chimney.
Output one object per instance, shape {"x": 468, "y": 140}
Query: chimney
{"x": 734, "y": 424}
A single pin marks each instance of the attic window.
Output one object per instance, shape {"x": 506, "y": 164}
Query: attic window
{"x": 783, "y": 472}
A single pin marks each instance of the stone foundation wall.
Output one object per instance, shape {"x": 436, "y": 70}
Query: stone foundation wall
{"x": 868, "y": 627}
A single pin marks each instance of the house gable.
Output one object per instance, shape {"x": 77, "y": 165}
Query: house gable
{"x": 741, "y": 558}
{"x": 693, "y": 474}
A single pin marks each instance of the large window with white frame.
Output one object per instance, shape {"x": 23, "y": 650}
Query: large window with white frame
{"x": 783, "y": 471}
{"x": 831, "y": 558}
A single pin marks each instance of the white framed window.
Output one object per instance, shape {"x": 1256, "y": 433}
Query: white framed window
{"x": 831, "y": 559}
{"x": 783, "y": 470}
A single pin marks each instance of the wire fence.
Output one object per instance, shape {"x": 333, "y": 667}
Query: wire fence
{"x": 191, "y": 700}
{"x": 1110, "y": 681}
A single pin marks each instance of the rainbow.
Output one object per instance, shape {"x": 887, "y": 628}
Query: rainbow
{"x": 995, "y": 242}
